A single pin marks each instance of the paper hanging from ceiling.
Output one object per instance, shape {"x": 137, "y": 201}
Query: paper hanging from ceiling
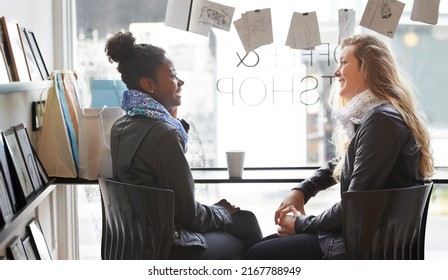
{"x": 346, "y": 21}
{"x": 198, "y": 16}
{"x": 303, "y": 31}
{"x": 382, "y": 16}
{"x": 426, "y": 11}
{"x": 255, "y": 29}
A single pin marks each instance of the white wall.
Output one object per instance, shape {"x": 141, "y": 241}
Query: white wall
{"x": 34, "y": 15}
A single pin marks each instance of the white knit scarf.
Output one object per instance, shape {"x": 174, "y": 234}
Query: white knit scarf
{"x": 356, "y": 110}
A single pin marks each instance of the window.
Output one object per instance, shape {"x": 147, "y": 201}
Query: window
{"x": 271, "y": 102}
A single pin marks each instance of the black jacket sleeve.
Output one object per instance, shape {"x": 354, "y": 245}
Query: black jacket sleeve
{"x": 174, "y": 173}
{"x": 371, "y": 157}
{"x": 321, "y": 180}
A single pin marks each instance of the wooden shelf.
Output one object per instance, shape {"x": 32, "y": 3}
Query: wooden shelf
{"x": 24, "y": 86}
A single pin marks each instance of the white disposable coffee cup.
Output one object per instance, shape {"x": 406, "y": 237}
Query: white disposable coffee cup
{"x": 235, "y": 163}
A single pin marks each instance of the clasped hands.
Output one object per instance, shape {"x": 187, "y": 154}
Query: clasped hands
{"x": 290, "y": 208}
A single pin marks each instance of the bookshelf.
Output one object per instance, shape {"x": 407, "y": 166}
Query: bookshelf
{"x": 22, "y": 216}
{"x": 24, "y": 86}
{"x": 20, "y": 93}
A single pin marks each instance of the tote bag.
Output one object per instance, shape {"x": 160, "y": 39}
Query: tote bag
{"x": 94, "y": 125}
{"x": 58, "y": 147}
{"x": 55, "y": 150}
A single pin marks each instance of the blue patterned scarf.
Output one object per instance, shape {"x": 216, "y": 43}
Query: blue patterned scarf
{"x": 139, "y": 103}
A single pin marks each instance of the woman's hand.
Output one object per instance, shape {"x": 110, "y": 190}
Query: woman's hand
{"x": 286, "y": 221}
{"x": 229, "y": 207}
{"x": 296, "y": 199}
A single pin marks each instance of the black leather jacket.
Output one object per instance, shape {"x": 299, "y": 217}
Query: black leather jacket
{"x": 150, "y": 152}
{"x": 383, "y": 154}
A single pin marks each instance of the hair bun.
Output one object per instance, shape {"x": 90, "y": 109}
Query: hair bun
{"x": 120, "y": 46}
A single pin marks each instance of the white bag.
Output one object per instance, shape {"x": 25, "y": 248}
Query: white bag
{"x": 94, "y": 125}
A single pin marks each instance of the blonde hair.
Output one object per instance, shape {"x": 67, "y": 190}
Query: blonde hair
{"x": 383, "y": 79}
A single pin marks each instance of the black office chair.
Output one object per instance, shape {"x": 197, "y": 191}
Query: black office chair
{"x": 386, "y": 224}
{"x": 137, "y": 221}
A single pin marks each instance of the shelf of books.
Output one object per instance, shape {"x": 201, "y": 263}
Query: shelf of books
{"x": 21, "y": 59}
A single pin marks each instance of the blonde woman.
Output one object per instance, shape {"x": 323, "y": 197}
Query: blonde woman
{"x": 381, "y": 142}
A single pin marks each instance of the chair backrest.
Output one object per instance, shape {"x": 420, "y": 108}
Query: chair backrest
{"x": 137, "y": 221}
{"x": 386, "y": 224}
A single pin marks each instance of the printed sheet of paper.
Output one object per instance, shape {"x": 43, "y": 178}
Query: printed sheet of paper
{"x": 216, "y": 15}
{"x": 426, "y": 11}
{"x": 198, "y": 16}
{"x": 260, "y": 28}
{"x": 242, "y": 28}
{"x": 382, "y": 16}
{"x": 178, "y": 13}
{"x": 303, "y": 31}
{"x": 207, "y": 14}
{"x": 255, "y": 29}
{"x": 347, "y": 19}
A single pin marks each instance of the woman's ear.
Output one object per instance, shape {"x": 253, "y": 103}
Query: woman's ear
{"x": 146, "y": 85}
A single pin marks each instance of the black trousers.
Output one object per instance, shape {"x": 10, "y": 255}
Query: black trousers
{"x": 292, "y": 247}
{"x": 230, "y": 243}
